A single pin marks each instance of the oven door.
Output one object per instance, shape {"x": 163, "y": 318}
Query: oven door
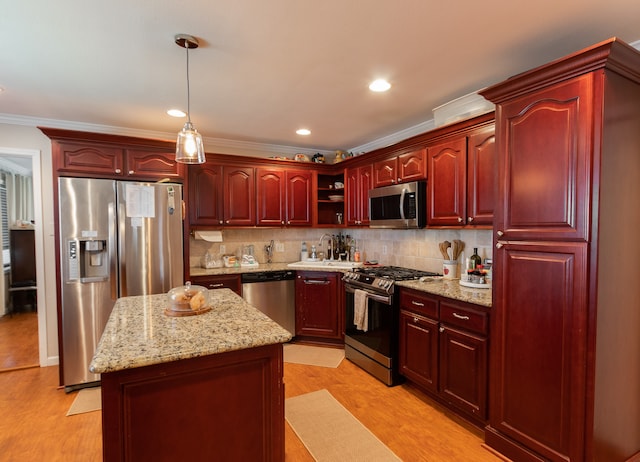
{"x": 380, "y": 341}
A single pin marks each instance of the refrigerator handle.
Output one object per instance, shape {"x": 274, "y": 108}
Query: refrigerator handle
{"x": 113, "y": 252}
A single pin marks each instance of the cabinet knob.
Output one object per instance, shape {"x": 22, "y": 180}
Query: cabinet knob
{"x": 227, "y": 221}
{"x": 131, "y": 172}
{"x": 499, "y": 233}
{"x": 221, "y": 222}
{"x": 441, "y": 329}
{"x": 399, "y": 180}
{"x": 282, "y": 222}
{"x": 415, "y": 319}
{"x": 499, "y": 245}
{"x": 118, "y": 170}
{"x": 470, "y": 219}
{"x": 459, "y": 219}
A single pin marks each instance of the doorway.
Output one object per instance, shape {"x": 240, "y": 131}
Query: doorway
{"x": 23, "y": 327}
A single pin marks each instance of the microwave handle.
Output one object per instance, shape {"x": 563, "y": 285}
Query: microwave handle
{"x": 404, "y": 190}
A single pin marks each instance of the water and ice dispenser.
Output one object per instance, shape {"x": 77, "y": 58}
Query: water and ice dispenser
{"x": 88, "y": 260}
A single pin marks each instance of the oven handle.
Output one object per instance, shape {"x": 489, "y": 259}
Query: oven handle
{"x": 379, "y": 298}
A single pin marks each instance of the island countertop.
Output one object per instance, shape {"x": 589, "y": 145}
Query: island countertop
{"x": 138, "y": 332}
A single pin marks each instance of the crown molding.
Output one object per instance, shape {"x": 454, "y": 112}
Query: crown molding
{"x": 394, "y": 138}
{"x": 217, "y": 145}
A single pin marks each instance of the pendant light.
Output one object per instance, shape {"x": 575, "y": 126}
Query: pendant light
{"x": 189, "y": 147}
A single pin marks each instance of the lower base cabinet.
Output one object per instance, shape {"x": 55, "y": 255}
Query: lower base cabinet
{"x": 319, "y": 306}
{"x": 225, "y": 281}
{"x": 444, "y": 351}
{"x": 227, "y": 406}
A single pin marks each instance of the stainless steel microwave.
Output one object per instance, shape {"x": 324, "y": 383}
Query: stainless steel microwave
{"x": 400, "y": 206}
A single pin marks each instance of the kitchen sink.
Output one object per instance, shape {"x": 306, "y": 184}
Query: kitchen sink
{"x": 325, "y": 264}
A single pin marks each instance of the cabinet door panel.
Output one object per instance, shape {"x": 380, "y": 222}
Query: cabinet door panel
{"x": 463, "y": 366}
{"x": 366, "y": 183}
{"x": 385, "y": 172}
{"x": 270, "y": 196}
{"x": 447, "y": 180}
{"x": 419, "y": 349}
{"x": 205, "y": 195}
{"x": 538, "y": 359}
{"x": 298, "y": 197}
{"x": 152, "y": 164}
{"x": 319, "y": 312}
{"x": 412, "y": 166}
{"x": 545, "y": 163}
{"x": 481, "y": 177}
{"x": 75, "y": 158}
{"x": 239, "y": 198}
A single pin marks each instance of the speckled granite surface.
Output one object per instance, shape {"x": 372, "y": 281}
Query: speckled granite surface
{"x": 443, "y": 287}
{"x": 451, "y": 288}
{"x": 138, "y": 332}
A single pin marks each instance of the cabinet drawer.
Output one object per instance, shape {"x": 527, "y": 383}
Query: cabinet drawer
{"x": 465, "y": 318}
{"x": 419, "y": 303}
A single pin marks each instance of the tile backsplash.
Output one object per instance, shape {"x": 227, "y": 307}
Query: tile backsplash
{"x": 416, "y": 249}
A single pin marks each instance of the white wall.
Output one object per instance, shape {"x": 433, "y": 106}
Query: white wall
{"x": 30, "y": 138}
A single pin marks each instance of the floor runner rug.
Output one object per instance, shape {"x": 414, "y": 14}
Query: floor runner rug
{"x": 87, "y": 400}
{"x": 331, "y": 433}
{"x": 313, "y": 356}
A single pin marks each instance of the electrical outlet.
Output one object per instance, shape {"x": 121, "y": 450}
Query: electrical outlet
{"x": 384, "y": 250}
{"x": 223, "y": 249}
{"x": 279, "y": 247}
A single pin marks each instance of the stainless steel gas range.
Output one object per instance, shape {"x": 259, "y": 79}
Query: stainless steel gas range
{"x": 373, "y": 317}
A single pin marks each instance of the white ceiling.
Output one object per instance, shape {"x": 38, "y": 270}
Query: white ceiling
{"x": 266, "y": 68}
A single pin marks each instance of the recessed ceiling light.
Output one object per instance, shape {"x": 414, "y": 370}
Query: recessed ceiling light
{"x": 176, "y": 113}
{"x": 379, "y": 85}
{"x": 303, "y": 131}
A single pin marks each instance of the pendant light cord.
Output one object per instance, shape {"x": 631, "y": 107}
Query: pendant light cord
{"x": 188, "y": 89}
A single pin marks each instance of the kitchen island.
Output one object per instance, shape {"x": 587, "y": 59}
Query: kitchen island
{"x": 206, "y": 387}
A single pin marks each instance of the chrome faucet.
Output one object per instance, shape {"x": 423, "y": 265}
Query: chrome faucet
{"x": 269, "y": 250}
{"x": 330, "y": 243}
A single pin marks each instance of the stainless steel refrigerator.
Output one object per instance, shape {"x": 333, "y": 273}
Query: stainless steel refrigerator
{"x": 117, "y": 239}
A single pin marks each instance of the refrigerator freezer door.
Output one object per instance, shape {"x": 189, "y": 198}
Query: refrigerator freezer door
{"x": 151, "y": 233}
{"x": 87, "y": 270}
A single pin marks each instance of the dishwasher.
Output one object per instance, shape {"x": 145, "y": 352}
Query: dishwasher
{"x": 273, "y": 293}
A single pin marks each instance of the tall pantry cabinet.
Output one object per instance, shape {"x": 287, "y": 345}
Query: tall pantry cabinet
{"x": 565, "y": 354}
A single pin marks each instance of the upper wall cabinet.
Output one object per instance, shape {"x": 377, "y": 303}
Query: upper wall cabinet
{"x": 409, "y": 166}
{"x": 105, "y": 161}
{"x": 205, "y": 195}
{"x": 284, "y": 197}
{"x": 239, "y": 196}
{"x": 461, "y": 179}
{"x": 358, "y": 183}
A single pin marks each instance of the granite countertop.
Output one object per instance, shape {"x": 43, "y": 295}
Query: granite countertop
{"x": 138, "y": 332}
{"x": 197, "y": 271}
{"x": 451, "y": 288}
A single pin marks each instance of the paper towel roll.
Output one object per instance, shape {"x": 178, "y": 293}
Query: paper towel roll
{"x": 209, "y": 236}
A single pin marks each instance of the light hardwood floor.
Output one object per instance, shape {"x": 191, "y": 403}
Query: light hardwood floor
{"x": 34, "y": 427}
{"x": 19, "y": 340}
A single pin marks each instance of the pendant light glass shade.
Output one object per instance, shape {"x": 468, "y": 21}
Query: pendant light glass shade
{"x": 189, "y": 146}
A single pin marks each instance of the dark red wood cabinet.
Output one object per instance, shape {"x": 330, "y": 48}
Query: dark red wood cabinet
{"x": 199, "y": 409}
{"x": 358, "y": 182}
{"x": 222, "y": 281}
{"x": 284, "y": 197}
{"x": 206, "y": 205}
{"x": 462, "y": 179}
{"x": 444, "y": 350}
{"x": 401, "y": 168}
{"x": 319, "y": 306}
{"x": 93, "y": 159}
{"x": 446, "y": 183}
{"x": 564, "y": 361}
{"x": 239, "y": 197}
